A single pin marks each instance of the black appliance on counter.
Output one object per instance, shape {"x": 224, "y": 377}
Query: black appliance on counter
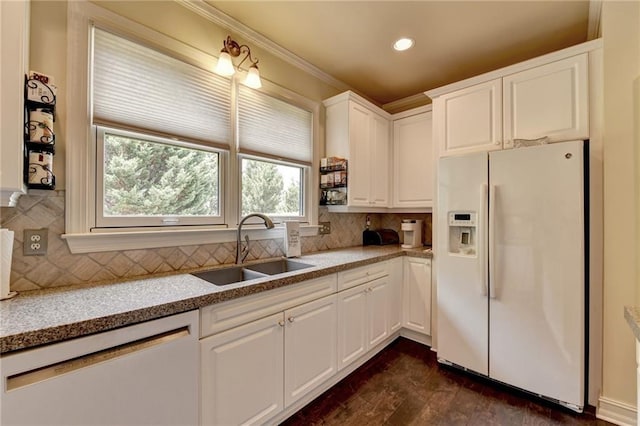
{"x": 379, "y": 237}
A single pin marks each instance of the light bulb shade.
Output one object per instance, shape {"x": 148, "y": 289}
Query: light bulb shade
{"x": 224, "y": 65}
{"x": 253, "y": 78}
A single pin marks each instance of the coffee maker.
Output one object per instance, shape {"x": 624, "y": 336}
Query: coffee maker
{"x": 412, "y": 230}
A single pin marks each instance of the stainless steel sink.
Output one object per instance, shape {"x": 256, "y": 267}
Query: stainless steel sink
{"x": 228, "y": 276}
{"x": 278, "y": 266}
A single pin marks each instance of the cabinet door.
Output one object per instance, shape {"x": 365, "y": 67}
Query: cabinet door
{"x": 395, "y": 294}
{"x": 470, "y": 119}
{"x": 379, "y": 164}
{"x": 417, "y": 295}
{"x": 242, "y": 373}
{"x": 360, "y": 155}
{"x": 14, "y": 44}
{"x": 550, "y": 100}
{"x": 413, "y": 166}
{"x": 377, "y": 311}
{"x": 352, "y": 329}
{"x": 310, "y": 346}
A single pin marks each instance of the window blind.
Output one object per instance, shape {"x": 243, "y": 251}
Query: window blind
{"x": 274, "y": 128}
{"x": 142, "y": 89}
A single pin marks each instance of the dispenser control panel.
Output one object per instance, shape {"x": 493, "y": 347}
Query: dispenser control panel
{"x": 462, "y": 233}
{"x": 462, "y": 219}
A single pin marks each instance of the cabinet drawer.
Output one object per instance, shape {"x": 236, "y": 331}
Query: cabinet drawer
{"x": 223, "y": 316}
{"x": 362, "y": 274}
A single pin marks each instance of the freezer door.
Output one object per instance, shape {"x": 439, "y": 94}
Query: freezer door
{"x": 461, "y": 277}
{"x": 537, "y": 302}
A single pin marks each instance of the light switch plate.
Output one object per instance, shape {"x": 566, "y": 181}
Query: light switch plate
{"x": 325, "y": 228}
{"x": 35, "y": 242}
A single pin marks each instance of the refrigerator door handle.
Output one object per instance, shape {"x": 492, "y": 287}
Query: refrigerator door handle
{"x": 482, "y": 240}
{"x": 492, "y": 242}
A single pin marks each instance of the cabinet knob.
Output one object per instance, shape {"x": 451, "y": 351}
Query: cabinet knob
{"x": 497, "y": 143}
{"x": 290, "y": 319}
{"x": 281, "y": 323}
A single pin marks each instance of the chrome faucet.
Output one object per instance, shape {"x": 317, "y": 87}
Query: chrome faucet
{"x": 241, "y": 253}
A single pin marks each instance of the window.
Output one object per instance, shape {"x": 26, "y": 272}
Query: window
{"x": 275, "y": 141}
{"x": 145, "y": 180}
{"x": 146, "y": 105}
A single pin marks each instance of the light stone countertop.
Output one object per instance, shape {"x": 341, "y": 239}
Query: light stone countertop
{"x": 46, "y": 316}
{"x": 632, "y": 315}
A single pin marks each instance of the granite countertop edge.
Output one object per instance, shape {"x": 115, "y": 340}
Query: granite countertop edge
{"x": 42, "y": 317}
{"x": 632, "y": 315}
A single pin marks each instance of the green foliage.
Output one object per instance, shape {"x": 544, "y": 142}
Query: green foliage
{"x": 146, "y": 178}
{"x": 291, "y": 200}
{"x": 263, "y": 190}
{"x": 262, "y": 187}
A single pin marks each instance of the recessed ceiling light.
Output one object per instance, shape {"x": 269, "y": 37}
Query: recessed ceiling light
{"x": 403, "y": 44}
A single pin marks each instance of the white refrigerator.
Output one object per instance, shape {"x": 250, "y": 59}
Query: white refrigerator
{"x": 511, "y": 268}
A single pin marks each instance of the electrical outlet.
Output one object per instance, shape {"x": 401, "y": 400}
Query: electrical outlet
{"x": 35, "y": 242}
{"x": 325, "y": 228}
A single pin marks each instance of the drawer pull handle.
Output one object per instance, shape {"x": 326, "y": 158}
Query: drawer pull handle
{"x": 290, "y": 319}
{"x": 281, "y": 323}
{"x": 64, "y": 367}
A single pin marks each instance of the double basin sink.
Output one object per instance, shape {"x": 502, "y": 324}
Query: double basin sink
{"x": 236, "y": 274}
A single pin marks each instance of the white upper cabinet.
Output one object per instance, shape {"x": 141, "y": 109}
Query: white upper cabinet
{"x": 550, "y": 100}
{"x": 470, "y": 119}
{"x": 359, "y": 132}
{"x": 546, "y": 96}
{"x": 380, "y": 163}
{"x": 413, "y": 171}
{"x": 14, "y": 39}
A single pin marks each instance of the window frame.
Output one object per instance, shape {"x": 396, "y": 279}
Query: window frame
{"x": 154, "y": 221}
{"x": 81, "y": 233}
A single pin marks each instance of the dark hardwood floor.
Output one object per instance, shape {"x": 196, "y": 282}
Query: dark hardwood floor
{"x": 405, "y": 385}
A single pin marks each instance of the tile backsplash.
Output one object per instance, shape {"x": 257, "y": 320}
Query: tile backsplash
{"x": 45, "y": 209}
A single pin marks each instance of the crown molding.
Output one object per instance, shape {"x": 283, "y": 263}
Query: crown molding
{"x": 409, "y": 102}
{"x": 225, "y": 21}
{"x": 595, "y": 14}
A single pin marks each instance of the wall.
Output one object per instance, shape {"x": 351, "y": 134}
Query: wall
{"x": 60, "y": 268}
{"x": 621, "y": 33}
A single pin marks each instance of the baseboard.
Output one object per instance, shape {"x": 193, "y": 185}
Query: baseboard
{"x": 616, "y": 412}
{"x": 415, "y": 336}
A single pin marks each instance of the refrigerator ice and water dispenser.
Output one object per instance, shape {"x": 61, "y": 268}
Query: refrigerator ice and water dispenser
{"x": 462, "y": 233}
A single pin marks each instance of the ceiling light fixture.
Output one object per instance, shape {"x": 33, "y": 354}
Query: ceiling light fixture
{"x": 225, "y": 67}
{"x": 403, "y": 44}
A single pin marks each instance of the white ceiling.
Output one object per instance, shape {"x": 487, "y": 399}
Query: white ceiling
{"x": 351, "y": 40}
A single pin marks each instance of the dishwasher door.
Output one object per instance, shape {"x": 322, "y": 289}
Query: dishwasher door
{"x": 142, "y": 374}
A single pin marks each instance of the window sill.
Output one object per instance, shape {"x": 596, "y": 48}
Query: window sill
{"x": 92, "y": 242}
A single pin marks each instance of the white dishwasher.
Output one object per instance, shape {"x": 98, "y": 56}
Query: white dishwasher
{"x": 145, "y": 374}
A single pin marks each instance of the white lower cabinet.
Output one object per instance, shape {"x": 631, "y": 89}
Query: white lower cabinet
{"x": 242, "y": 371}
{"x": 416, "y": 309}
{"x": 363, "y": 319}
{"x": 309, "y": 347}
{"x": 252, "y": 372}
{"x": 395, "y": 294}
